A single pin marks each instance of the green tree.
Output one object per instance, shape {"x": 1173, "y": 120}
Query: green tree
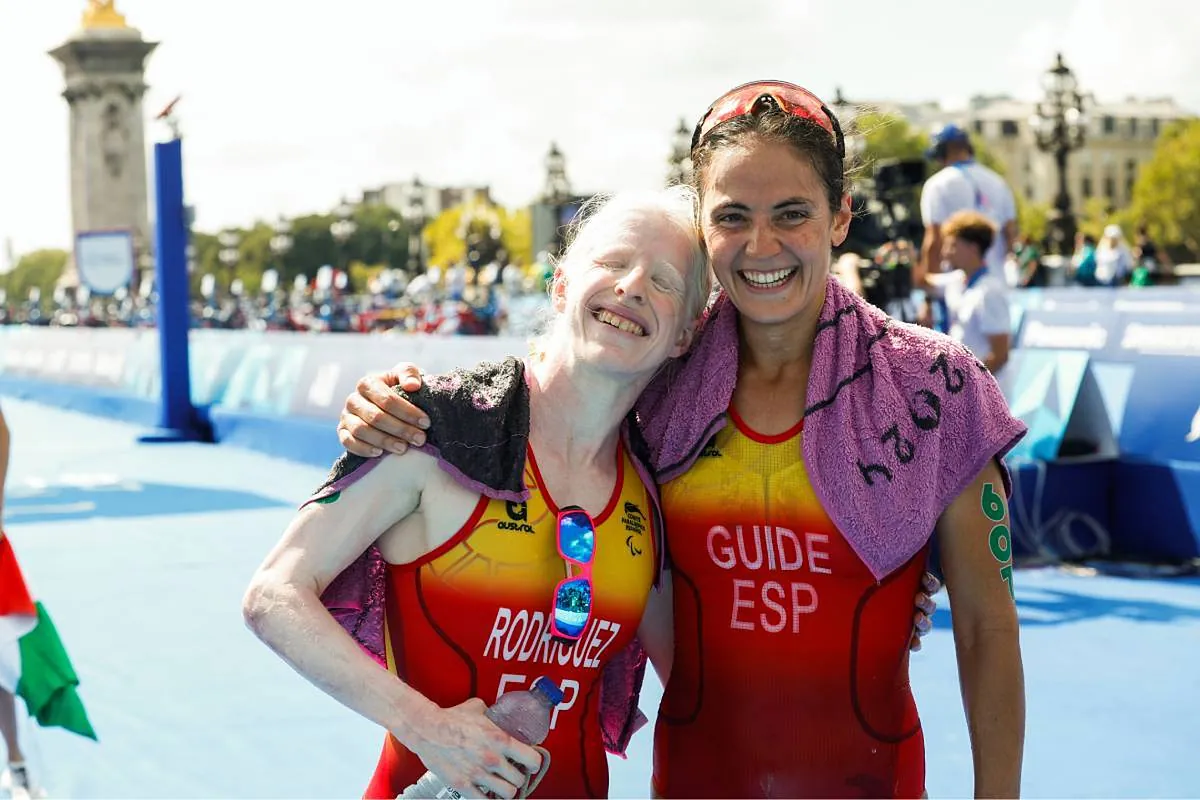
{"x": 888, "y": 136}
{"x": 443, "y": 235}
{"x": 1166, "y": 196}
{"x": 361, "y": 275}
{"x": 313, "y": 247}
{"x": 40, "y": 268}
{"x": 442, "y": 238}
{"x": 517, "y": 233}
{"x": 1033, "y": 219}
{"x": 254, "y": 256}
{"x": 1095, "y": 214}
{"x": 205, "y": 260}
{"x": 381, "y": 237}
{"x": 985, "y": 156}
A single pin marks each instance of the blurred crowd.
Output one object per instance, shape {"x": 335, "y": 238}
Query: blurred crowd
{"x": 460, "y": 300}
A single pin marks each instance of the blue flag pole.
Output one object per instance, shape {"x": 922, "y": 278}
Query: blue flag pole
{"x": 178, "y": 419}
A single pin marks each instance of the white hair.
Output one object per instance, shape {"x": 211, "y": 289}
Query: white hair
{"x": 604, "y": 217}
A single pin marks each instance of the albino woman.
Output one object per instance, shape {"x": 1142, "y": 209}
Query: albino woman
{"x": 523, "y": 540}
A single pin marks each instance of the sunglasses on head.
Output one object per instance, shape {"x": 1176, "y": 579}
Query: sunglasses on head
{"x": 761, "y": 96}
{"x": 573, "y": 595}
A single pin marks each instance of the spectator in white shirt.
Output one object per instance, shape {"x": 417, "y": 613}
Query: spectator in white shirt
{"x": 976, "y": 296}
{"x": 962, "y": 184}
{"x": 1114, "y": 260}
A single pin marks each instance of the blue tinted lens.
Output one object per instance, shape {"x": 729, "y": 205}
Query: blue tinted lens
{"x": 576, "y": 536}
{"x": 573, "y": 606}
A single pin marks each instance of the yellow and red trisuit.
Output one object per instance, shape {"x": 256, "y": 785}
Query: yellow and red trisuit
{"x": 790, "y": 674}
{"x": 470, "y": 620}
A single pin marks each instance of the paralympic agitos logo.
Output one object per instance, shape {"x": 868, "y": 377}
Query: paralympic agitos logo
{"x": 634, "y": 520}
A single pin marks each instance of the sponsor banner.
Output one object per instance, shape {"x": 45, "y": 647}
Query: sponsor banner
{"x": 1140, "y": 334}
{"x": 1142, "y": 381}
{"x": 1089, "y": 331}
{"x": 1113, "y": 335}
{"x": 86, "y": 356}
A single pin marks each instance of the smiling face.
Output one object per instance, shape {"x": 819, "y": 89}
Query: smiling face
{"x": 767, "y": 221}
{"x": 625, "y": 297}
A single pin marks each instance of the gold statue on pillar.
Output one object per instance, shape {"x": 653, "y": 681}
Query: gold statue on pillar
{"x": 103, "y": 14}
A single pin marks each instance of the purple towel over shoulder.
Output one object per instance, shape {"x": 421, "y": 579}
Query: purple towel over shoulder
{"x": 900, "y": 420}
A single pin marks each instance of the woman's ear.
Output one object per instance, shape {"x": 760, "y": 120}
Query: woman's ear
{"x": 558, "y": 290}
{"x": 841, "y": 221}
{"x": 684, "y": 342}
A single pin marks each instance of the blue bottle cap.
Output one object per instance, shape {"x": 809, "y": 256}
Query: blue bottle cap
{"x": 550, "y": 689}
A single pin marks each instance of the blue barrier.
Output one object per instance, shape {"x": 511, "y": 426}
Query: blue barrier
{"x": 1156, "y": 510}
{"x": 1138, "y": 404}
{"x": 1061, "y": 509}
{"x": 1062, "y": 469}
{"x": 275, "y": 392}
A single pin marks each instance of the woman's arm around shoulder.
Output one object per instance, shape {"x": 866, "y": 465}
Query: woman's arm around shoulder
{"x": 657, "y": 629}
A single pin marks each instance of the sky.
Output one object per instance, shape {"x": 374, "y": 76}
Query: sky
{"x": 289, "y": 105}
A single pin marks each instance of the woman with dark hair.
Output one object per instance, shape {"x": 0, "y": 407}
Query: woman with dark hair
{"x": 807, "y": 447}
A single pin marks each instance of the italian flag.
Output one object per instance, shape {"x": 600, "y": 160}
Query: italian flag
{"x": 33, "y": 664}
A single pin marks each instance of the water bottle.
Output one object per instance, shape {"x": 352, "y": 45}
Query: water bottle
{"x": 523, "y": 715}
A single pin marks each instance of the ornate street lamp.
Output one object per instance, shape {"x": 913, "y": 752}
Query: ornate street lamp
{"x": 680, "y": 170}
{"x": 281, "y": 245}
{"x": 417, "y": 213}
{"x": 342, "y": 229}
{"x": 228, "y": 254}
{"x": 389, "y": 234}
{"x": 281, "y": 242}
{"x": 1058, "y": 126}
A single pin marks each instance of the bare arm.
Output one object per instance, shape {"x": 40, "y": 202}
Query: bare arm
{"x": 976, "y": 550}
{"x": 1010, "y": 233}
{"x": 283, "y": 607}
{"x": 999, "y": 343}
{"x": 924, "y": 268}
{"x": 931, "y": 256}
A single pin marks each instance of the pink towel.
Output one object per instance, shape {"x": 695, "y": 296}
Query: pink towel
{"x": 900, "y": 420}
